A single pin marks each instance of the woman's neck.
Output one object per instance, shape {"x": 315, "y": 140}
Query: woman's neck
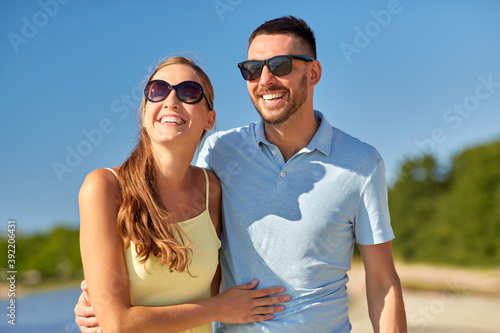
{"x": 172, "y": 165}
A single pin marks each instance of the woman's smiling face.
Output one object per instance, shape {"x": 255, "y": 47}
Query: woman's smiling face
{"x": 172, "y": 119}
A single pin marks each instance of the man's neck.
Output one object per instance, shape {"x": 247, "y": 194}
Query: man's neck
{"x": 292, "y": 135}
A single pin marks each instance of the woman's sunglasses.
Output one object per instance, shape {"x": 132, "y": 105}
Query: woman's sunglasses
{"x": 279, "y": 65}
{"x": 189, "y": 92}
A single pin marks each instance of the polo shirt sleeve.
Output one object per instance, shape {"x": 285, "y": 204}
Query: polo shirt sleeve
{"x": 372, "y": 223}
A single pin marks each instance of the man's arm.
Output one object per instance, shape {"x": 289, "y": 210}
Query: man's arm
{"x": 383, "y": 289}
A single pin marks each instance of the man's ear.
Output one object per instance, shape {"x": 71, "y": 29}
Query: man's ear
{"x": 315, "y": 73}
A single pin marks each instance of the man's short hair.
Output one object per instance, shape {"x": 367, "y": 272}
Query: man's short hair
{"x": 287, "y": 25}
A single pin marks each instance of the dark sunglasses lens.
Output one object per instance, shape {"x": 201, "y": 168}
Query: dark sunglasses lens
{"x": 251, "y": 69}
{"x": 189, "y": 92}
{"x": 280, "y": 66}
{"x": 157, "y": 91}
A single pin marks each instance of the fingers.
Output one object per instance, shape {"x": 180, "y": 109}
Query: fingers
{"x": 263, "y": 296}
{"x": 84, "y": 299}
{"x": 264, "y": 310}
{"x": 265, "y": 313}
{"x": 87, "y": 323}
{"x": 244, "y": 303}
{"x": 265, "y": 305}
{"x": 83, "y": 286}
{"x": 90, "y": 330}
{"x": 250, "y": 285}
{"x": 84, "y": 312}
{"x": 261, "y": 317}
{"x": 266, "y": 301}
{"x": 85, "y": 316}
{"x": 267, "y": 291}
{"x": 261, "y": 292}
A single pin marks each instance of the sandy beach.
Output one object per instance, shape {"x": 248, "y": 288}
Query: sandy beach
{"x": 437, "y": 299}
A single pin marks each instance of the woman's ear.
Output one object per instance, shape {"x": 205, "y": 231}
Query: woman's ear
{"x": 210, "y": 120}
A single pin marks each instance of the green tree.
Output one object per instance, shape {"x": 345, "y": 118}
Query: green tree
{"x": 451, "y": 219}
{"x": 56, "y": 255}
{"x": 412, "y": 202}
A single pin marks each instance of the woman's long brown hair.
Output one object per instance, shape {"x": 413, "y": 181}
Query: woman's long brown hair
{"x": 142, "y": 217}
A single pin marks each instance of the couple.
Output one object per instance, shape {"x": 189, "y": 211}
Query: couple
{"x": 294, "y": 194}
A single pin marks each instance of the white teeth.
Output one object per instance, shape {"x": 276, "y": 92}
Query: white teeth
{"x": 272, "y": 96}
{"x": 175, "y": 120}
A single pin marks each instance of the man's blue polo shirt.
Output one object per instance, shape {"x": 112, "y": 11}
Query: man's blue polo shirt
{"x": 294, "y": 224}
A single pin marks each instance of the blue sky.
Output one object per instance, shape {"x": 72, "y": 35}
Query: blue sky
{"x": 405, "y": 76}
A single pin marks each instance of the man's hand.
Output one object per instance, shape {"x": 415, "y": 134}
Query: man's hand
{"x": 84, "y": 313}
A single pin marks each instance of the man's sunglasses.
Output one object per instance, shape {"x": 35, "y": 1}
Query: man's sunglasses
{"x": 189, "y": 92}
{"x": 279, "y": 65}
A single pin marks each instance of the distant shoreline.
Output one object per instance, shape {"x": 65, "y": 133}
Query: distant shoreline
{"x": 425, "y": 277}
{"x": 27, "y": 290}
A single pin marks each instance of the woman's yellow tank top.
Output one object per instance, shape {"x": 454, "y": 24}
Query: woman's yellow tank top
{"x": 153, "y": 284}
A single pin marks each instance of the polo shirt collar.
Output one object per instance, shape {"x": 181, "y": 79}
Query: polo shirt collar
{"x": 321, "y": 141}
{"x": 260, "y": 136}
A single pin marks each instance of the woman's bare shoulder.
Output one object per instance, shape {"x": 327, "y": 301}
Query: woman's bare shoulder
{"x": 100, "y": 181}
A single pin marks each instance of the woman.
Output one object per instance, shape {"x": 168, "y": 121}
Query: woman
{"x": 150, "y": 228}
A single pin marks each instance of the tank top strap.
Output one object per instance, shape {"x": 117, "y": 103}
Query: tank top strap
{"x": 113, "y": 171}
{"x": 207, "y": 188}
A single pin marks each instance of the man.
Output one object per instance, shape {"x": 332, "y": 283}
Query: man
{"x": 297, "y": 194}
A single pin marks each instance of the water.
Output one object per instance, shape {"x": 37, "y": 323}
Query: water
{"x": 50, "y": 312}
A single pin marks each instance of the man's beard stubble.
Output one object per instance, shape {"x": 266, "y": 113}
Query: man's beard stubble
{"x": 298, "y": 100}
